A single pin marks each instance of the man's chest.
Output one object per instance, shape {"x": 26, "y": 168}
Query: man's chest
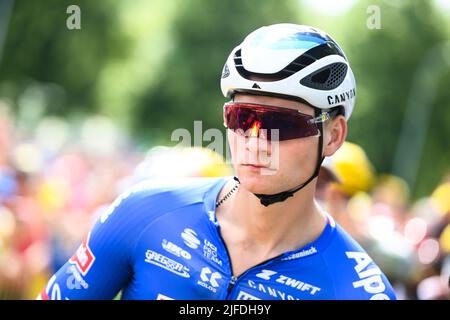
{"x": 187, "y": 263}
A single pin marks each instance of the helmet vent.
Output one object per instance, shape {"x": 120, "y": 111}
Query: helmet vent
{"x": 304, "y": 60}
{"x": 326, "y": 78}
{"x": 289, "y": 70}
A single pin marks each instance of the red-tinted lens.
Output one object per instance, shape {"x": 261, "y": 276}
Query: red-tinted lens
{"x": 290, "y": 123}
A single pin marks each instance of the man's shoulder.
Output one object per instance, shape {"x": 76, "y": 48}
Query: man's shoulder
{"x": 189, "y": 189}
{"x": 161, "y": 195}
{"x": 355, "y": 274}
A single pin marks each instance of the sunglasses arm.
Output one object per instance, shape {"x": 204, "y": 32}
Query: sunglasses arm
{"x": 324, "y": 116}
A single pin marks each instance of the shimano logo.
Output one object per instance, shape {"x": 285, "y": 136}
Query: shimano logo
{"x": 370, "y": 277}
{"x": 190, "y": 238}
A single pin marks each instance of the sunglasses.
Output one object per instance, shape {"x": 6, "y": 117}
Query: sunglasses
{"x": 251, "y": 119}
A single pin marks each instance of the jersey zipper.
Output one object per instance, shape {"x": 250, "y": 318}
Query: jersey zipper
{"x": 234, "y": 279}
{"x": 231, "y": 284}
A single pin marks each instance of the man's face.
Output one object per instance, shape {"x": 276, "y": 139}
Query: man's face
{"x": 270, "y": 167}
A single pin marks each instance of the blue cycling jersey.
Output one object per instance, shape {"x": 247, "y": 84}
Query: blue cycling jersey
{"x": 163, "y": 242}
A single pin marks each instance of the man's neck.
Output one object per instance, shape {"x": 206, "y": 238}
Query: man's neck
{"x": 275, "y": 229}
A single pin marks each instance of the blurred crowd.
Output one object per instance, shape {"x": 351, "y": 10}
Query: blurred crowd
{"x": 409, "y": 240}
{"x": 57, "y": 178}
{"x": 52, "y": 186}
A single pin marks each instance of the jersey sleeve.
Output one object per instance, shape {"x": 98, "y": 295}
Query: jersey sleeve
{"x": 101, "y": 266}
{"x": 362, "y": 279}
{"x": 355, "y": 274}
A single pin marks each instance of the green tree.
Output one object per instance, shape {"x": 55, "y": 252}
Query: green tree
{"x": 188, "y": 86}
{"x": 41, "y": 49}
{"x": 386, "y": 63}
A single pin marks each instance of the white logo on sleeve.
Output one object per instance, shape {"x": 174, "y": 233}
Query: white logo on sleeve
{"x": 53, "y": 290}
{"x": 370, "y": 277}
{"x": 84, "y": 257}
{"x": 190, "y": 238}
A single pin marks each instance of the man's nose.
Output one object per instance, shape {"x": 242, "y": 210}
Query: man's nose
{"x": 257, "y": 142}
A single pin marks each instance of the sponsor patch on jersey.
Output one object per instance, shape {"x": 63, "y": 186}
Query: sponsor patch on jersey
{"x": 288, "y": 281}
{"x": 301, "y": 254}
{"x": 210, "y": 252}
{"x": 168, "y": 264}
{"x": 190, "y": 238}
{"x": 274, "y": 292}
{"x": 242, "y": 295}
{"x": 52, "y": 291}
{"x": 175, "y": 250}
{"x": 209, "y": 279}
{"x": 266, "y": 274}
{"x": 75, "y": 281}
{"x": 369, "y": 275}
{"x": 83, "y": 257}
{"x": 212, "y": 218}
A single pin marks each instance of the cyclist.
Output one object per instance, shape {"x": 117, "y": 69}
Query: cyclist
{"x": 259, "y": 235}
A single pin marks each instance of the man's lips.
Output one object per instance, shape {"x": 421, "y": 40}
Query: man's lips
{"x": 254, "y": 165}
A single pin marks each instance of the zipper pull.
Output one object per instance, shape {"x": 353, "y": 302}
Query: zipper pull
{"x": 231, "y": 284}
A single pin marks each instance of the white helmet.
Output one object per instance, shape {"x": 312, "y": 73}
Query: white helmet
{"x": 295, "y": 61}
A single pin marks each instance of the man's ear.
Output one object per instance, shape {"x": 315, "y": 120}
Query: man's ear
{"x": 335, "y": 133}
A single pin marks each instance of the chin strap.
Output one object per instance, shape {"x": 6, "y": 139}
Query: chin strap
{"x": 268, "y": 199}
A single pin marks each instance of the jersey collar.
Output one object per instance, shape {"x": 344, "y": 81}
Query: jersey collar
{"x": 315, "y": 247}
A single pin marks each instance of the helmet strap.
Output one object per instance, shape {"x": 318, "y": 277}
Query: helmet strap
{"x": 268, "y": 199}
